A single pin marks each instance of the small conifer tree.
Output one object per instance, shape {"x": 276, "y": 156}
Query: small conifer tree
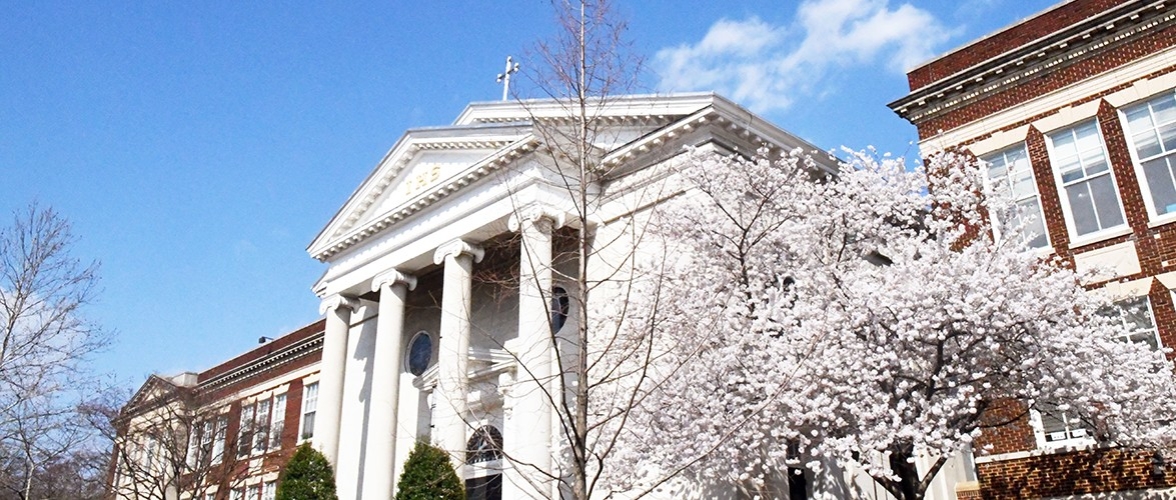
{"x": 308, "y": 476}
{"x": 428, "y": 475}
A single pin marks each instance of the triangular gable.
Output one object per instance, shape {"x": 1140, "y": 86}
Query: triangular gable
{"x": 423, "y": 166}
{"x": 151, "y": 393}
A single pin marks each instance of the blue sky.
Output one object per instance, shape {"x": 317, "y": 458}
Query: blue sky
{"x": 198, "y": 147}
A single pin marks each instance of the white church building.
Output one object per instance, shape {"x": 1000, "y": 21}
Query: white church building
{"x": 416, "y": 345}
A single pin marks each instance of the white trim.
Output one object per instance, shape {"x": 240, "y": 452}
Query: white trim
{"x": 1000, "y": 140}
{"x": 1168, "y": 279}
{"x": 1038, "y": 452}
{"x": 1128, "y": 289}
{"x": 1097, "y": 236}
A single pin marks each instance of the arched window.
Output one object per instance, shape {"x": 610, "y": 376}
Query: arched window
{"x": 420, "y": 353}
{"x": 484, "y": 446}
{"x": 561, "y": 305}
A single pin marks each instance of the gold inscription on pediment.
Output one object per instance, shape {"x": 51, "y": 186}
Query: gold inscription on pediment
{"x": 422, "y": 177}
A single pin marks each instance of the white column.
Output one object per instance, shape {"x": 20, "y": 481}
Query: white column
{"x": 453, "y": 355}
{"x": 379, "y": 474}
{"x": 338, "y": 309}
{"x": 527, "y": 437}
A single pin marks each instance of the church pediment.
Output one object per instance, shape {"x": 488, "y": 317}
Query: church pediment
{"x": 425, "y": 166}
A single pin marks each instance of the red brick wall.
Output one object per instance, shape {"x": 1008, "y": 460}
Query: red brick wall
{"x": 1074, "y": 473}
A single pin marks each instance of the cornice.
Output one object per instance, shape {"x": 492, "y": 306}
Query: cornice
{"x": 273, "y": 360}
{"x": 427, "y": 198}
{"x": 1063, "y": 48}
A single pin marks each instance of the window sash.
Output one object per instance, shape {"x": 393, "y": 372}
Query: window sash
{"x": 277, "y": 422}
{"x": 1010, "y": 172}
{"x": 1085, "y": 179}
{"x": 218, "y": 444}
{"x": 1151, "y": 130}
{"x": 261, "y": 426}
{"x": 309, "y": 407}
{"x": 245, "y": 431}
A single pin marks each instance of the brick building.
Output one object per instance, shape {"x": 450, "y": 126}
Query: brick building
{"x": 223, "y": 433}
{"x": 1075, "y": 111}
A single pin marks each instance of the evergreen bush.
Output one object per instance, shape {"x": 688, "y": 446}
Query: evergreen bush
{"x": 428, "y": 475}
{"x": 307, "y": 476}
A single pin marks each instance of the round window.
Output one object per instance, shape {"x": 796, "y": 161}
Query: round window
{"x": 420, "y": 353}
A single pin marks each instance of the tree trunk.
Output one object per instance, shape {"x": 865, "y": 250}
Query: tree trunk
{"x": 907, "y": 486}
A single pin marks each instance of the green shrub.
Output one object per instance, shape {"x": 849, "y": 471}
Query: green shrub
{"x": 428, "y": 475}
{"x": 307, "y": 476}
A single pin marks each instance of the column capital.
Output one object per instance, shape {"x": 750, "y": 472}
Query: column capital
{"x": 534, "y": 213}
{"x": 456, "y": 248}
{"x": 336, "y": 301}
{"x": 393, "y": 277}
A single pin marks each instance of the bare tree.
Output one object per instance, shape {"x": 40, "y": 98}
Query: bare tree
{"x": 169, "y": 443}
{"x": 601, "y": 370}
{"x": 45, "y": 342}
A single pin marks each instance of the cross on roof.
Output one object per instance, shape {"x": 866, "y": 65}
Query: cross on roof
{"x": 504, "y": 77}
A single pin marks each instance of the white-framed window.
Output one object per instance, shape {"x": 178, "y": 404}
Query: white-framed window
{"x": 1056, "y": 428}
{"x": 1088, "y": 189}
{"x": 270, "y": 491}
{"x": 309, "y": 407}
{"x": 238, "y": 494}
{"x": 218, "y": 443}
{"x": 277, "y": 422}
{"x": 253, "y": 492}
{"x": 1010, "y": 173}
{"x": 150, "y": 452}
{"x": 245, "y": 431}
{"x": 261, "y": 425}
{"x": 1140, "y": 321}
{"x": 207, "y": 433}
{"x": 1151, "y": 131}
{"x": 193, "y": 446}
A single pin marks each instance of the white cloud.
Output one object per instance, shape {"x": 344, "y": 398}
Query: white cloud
{"x": 767, "y": 67}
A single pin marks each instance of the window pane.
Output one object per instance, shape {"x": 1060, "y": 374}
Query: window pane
{"x": 1168, "y": 136}
{"x": 1023, "y": 184}
{"x": 1146, "y": 144}
{"x": 1082, "y": 209}
{"x": 308, "y": 425}
{"x": 1095, "y": 163}
{"x": 1035, "y": 228}
{"x": 1139, "y": 118}
{"x": 1159, "y": 181}
{"x": 1063, "y": 144}
{"x": 1106, "y": 202}
{"x": 1164, "y": 108}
